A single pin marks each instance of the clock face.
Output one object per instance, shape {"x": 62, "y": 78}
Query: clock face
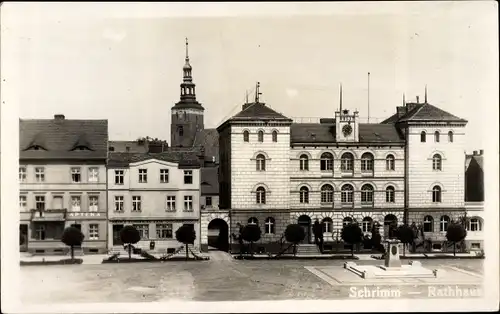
{"x": 347, "y": 130}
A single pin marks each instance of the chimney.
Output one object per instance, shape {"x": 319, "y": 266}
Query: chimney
{"x": 481, "y": 151}
{"x": 418, "y": 101}
{"x": 59, "y": 117}
{"x": 474, "y": 153}
{"x": 401, "y": 111}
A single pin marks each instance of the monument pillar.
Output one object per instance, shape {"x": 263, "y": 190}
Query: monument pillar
{"x": 392, "y": 255}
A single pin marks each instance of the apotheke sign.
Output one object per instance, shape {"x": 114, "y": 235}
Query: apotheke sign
{"x": 84, "y": 214}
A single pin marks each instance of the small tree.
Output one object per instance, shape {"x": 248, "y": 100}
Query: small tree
{"x": 251, "y": 233}
{"x": 455, "y": 233}
{"x": 130, "y": 235}
{"x": 405, "y": 235}
{"x": 72, "y": 237}
{"x": 352, "y": 234}
{"x": 186, "y": 235}
{"x": 294, "y": 233}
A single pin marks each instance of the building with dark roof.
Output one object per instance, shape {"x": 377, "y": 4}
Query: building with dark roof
{"x": 62, "y": 174}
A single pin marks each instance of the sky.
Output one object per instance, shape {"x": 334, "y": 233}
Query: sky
{"x": 127, "y": 67}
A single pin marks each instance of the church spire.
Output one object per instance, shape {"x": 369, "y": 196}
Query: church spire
{"x": 187, "y": 85}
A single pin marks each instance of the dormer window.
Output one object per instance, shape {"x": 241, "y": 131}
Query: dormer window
{"x": 80, "y": 147}
{"x": 81, "y": 144}
{"x": 35, "y": 147}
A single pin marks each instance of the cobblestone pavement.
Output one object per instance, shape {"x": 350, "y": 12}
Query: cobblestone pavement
{"x": 215, "y": 280}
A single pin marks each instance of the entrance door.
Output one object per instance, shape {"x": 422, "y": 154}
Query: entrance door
{"x": 116, "y": 234}
{"x": 305, "y": 222}
{"x": 23, "y": 237}
{"x": 218, "y": 235}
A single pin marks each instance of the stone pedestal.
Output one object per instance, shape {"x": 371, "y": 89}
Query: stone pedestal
{"x": 392, "y": 255}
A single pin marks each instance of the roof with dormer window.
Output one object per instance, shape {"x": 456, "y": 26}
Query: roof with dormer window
{"x": 185, "y": 159}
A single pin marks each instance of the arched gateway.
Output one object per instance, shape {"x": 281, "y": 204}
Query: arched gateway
{"x": 218, "y": 235}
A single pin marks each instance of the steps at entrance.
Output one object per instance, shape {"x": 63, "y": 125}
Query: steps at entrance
{"x": 308, "y": 249}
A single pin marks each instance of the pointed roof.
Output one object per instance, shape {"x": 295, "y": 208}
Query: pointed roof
{"x": 422, "y": 112}
{"x": 258, "y": 111}
{"x": 185, "y": 159}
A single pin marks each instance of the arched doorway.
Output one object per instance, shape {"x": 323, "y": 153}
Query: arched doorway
{"x": 390, "y": 223}
{"x": 305, "y": 222}
{"x": 218, "y": 235}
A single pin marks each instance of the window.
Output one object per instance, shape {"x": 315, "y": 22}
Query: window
{"x": 269, "y": 225}
{"x": 208, "y": 201}
{"x": 436, "y": 136}
{"x": 304, "y": 195}
{"x": 327, "y": 194}
{"x": 436, "y": 162}
{"x": 164, "y": 231}
{"x": 304, "y": 163}
{"x": 367, "y": 194}
{"x": 450, "y": 136}
{"x": 93, "y": 203}
{"x": 119, "y": 202}
{"x": 347, "y": 162}
{"x": 40, "y": 202}
{"x": 171, "y": 203}
{"x": 367, "y": 162}
{"x": 346, "y": 221}
{"x": 443, "y": 223}
{"x": 346, "y": 195}
{"x": 57, "y": 202}
{"x": 39, "y": 232}
{"x": 180, "y": 129}
{"x": 76, "y": 202}
{"x": 389, "y": 162}
{"x": 326, "y": 162}
{"x": 143, "y": 231}
{"x": 474, "y": 224}
{"x": 261, "y": 136}
{"x": 40, "y": 174}
{"x": 22, "y": 174}
{"x": 275, "y": 136}
{"x": 188, "y": 203}
{"x": 23, "y": 202}
{"x": 261, "y": 195}
{"x": 253, "y": 221}
{"x": 188, "y": 177}
{"x": 428, "y": 224}
{"x": 389, "y": 194}
{"x": 366, "y": 224}
{"x": 119, "y": 174}
{"x": 327, "y": 224}
{"x": 246, "y": 136}
{"x": 136, "y": 204}
{"x": 93, "y": 232}
{"x": 261, "y": 162}
{"x": 94, "y": 174}
{"x": 436, "y": 194}
{"x": 143, "y": 175}
{"x": 423, "y": 137}
{"x": 163, "y": 175}
{"x": 76, "y": 175}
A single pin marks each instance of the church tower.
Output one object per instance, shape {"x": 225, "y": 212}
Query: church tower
{"x": 187, "y": 114}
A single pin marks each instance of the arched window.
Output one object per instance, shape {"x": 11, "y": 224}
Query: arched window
{"x": 304, "y": 195}
{"x": 347, "y": 162}
{"x": 450, "y": 136}
{"x": 428, "y": 224}
{"x": 275, "y": 136}
{"x": 474, "y": 224}
{"x": 326, "y": 162}
{"x": 327, "y": 194}
{"x": 246, "y": 136}
{"x": 366, "y": 224}
{"x": 422, "y": 137}
{"x": 347, "y": 194}
{"x": 269, "y": 225}
{"x": 261, "y": 195}
{"x": 181, "y": 130}
{"x": 346, "y": 221}
{"x": 367, "y": 194}
{"x": 390, "y": 194}
{"x": 443, "y": 223}
{"x": 327, "y": 224}
{"x": 304, "y": 162}
{"x": 436, "y": 136}
{"x": 389, "y": 162}
{"x": 261, "y": 136}
{"x": 367, "y": 162}
{"x": 436, "y": 162}
{"x": 436, "y": 194}
{"x": 260, "y": 162}
{"x": 253, "y": 221}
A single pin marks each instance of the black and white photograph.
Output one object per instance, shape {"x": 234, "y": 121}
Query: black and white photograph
{"x": 218, "y": 157}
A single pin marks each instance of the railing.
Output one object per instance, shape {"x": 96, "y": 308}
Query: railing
{"x": 48, "y": 214}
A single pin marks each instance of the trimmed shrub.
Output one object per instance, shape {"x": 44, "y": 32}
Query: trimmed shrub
{"x": 352, "y": 234}
{"x": 251, "y": 233}
{"x": 406, "y": 235}
{"x": 455, "y": 233}
{"x": 72, "y": 237}
{"x": 186, "y": 235}
{"x": 130, "y": 235}
{"x": 294, "y": 233}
